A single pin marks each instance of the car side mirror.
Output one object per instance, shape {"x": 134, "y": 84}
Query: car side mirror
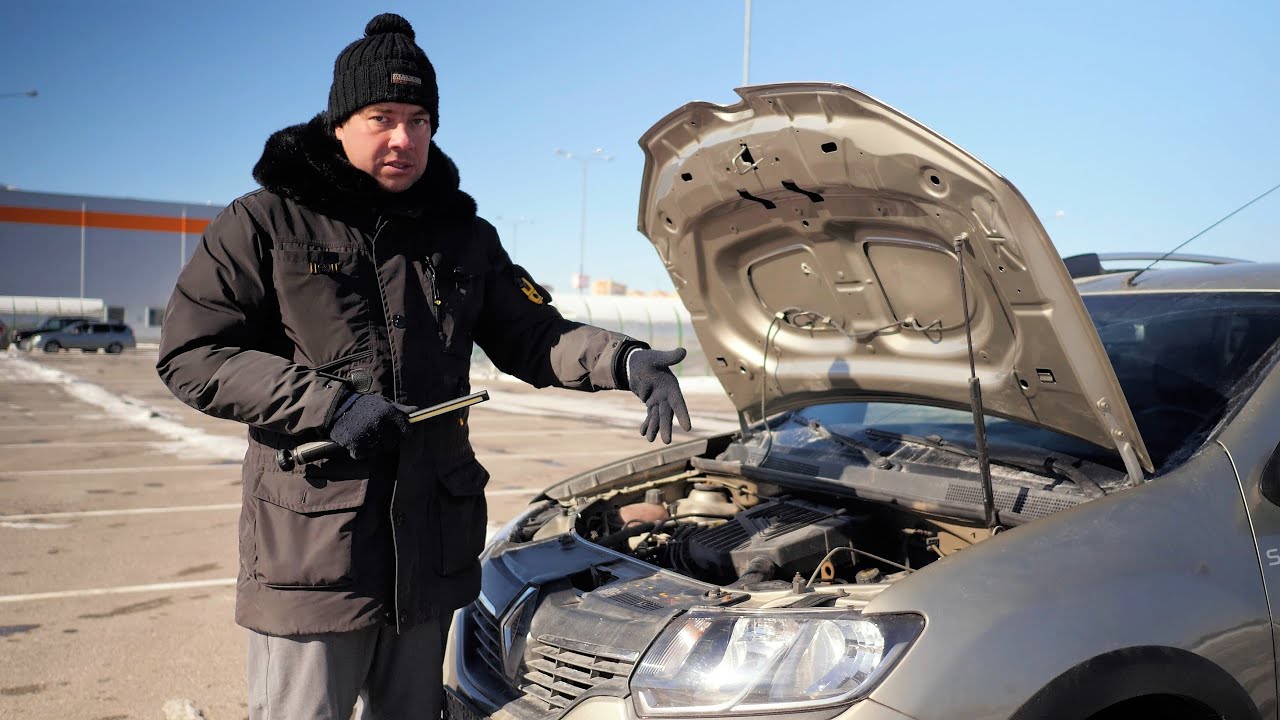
{"x": 1270, "y": 481}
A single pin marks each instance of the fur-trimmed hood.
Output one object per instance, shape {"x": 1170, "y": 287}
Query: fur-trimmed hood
{"x": 306, "y": 163}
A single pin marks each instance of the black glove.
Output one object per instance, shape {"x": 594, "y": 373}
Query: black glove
{"x": 367, "y": 424}
{"x": 650, "y": 378}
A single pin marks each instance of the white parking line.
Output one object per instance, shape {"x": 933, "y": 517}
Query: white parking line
{"x": 122, "y": 511}
{"x": 490, "y": 455}
{"x": 29, "y": 426}
{"x": 77, "y": 413}
{"x": 158, "y": 587}
{"x": 498, "y": 493}
{"x": 112, "y": 443}
{"x": 191, "y": 508}
{"x": 485, "y": 434}
{"x": 118, "y": 470}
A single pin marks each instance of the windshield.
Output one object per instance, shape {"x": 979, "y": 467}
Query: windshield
{"x": 1181, "y": 358}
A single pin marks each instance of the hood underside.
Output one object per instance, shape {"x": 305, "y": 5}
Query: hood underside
{"x": 816, "y": 235}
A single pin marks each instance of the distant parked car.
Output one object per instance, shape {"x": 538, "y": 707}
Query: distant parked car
{"x": 50, "y": 324}
{"x": 86, "y": 336}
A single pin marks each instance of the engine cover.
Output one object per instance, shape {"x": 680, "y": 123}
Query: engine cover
{"x": 794, "y": 534}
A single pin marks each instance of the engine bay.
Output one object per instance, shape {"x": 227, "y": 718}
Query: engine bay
{"x": 755, "y": 537}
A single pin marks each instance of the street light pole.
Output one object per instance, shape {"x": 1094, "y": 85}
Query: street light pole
{"x": 597, "y": 154}
{"x": 746, "y": 48}
{"x": 516, "y": 222}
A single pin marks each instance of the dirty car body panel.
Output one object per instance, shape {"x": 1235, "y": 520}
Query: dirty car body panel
{"x": 832, "y": 558}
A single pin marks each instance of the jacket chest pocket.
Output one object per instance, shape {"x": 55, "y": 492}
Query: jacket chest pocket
{"x": 320, "y": 289}
{"x": 463, "y": 515}
{"x": 305, "y": 530}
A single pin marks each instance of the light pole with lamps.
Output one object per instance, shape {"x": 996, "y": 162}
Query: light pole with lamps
{"x": 597, "y": 154}
{"x": 516, "y": 222}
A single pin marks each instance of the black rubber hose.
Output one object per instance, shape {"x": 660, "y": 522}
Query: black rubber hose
{"x": 760, "y": 568}
{"x": 616, "y": 539}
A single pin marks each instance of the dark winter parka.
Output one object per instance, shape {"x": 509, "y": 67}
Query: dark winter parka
{"x": 321, "y": 283}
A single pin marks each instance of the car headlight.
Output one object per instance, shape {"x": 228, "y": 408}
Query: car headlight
{"x": 727, "y": 661}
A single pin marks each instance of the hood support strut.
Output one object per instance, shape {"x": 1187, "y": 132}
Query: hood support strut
{"x": 989, "y": 513}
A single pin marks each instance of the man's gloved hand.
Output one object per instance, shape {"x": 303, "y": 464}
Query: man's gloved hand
{"x": 649, "y": 375}
{"x": 368, "y": 424}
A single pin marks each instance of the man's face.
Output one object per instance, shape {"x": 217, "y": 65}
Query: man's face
{"x": 389, "y": 141}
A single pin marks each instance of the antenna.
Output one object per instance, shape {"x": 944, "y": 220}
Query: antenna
{"x": 1134, "y": 277}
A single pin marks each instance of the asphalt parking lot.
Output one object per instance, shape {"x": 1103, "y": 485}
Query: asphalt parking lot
{"x": 118, "y": 512}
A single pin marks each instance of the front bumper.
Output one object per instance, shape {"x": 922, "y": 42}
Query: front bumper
{"x": 472, "y": 693}
{"x": 458, "y": 707}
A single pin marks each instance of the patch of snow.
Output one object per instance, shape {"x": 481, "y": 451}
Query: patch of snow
{"x": 186, "y": 441}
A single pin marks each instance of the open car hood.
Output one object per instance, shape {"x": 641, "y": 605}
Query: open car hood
{"x": 818, "y": 226}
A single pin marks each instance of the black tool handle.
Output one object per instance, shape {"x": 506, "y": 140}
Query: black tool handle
{"x": 308, "y": 452}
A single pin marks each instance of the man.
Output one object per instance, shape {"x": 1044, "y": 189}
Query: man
{"x": 350, "y": 288}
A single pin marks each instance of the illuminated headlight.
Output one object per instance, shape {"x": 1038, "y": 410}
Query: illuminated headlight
{"x": 751, "y": 661}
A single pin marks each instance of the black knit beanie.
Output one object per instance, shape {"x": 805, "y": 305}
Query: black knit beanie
{"x": 385, "y": 65}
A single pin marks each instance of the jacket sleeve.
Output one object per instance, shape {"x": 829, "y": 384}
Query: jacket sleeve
{"x": 220, "y": 328}
{"x": 525, "y": 336}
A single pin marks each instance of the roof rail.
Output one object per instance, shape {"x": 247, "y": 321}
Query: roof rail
{"x": 1089, "y": 264}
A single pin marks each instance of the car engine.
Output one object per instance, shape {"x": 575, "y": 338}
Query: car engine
{"x": 743, "y": 535}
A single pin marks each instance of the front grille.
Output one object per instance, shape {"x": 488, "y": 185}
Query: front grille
{"x": 487, "y": 636}
{"x": 556, "y": 671}
{"x": 558, "y": 675}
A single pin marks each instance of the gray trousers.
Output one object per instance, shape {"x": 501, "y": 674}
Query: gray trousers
{"x": 305, "y": 677}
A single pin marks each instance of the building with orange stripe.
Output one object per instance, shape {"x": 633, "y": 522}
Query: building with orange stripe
{"x": 127, "y": 252}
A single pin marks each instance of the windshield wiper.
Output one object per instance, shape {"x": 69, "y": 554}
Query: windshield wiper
{"x": 1050, "y": 464}
{"x": 874, "y": 458}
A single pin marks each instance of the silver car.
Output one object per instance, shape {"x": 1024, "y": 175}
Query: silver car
{"x": 966, "y": 485}
{"x": 86, "y": 336}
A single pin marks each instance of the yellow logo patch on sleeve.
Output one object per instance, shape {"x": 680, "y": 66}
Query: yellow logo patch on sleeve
{"x": 531, "y": 292}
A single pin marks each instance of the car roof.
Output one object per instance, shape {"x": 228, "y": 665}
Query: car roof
{"x": 1240, "y": 277}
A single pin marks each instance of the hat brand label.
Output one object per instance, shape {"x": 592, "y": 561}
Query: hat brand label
{"x": 402, "y": 79}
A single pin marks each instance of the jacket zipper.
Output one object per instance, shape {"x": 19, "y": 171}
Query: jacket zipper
{"x": 397, "y": 613}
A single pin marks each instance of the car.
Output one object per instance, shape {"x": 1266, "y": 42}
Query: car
{"x": 49, "y": 324}
{"x": 4, "y": 335}
{"x": 966, "y": 485}
{"x": 85, "y": 336}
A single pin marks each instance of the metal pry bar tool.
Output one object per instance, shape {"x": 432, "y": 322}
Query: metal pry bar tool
{"x": 312, "y": 451}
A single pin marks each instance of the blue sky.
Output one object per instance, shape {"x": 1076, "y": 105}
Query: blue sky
{"x": 1127, "y": 126}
